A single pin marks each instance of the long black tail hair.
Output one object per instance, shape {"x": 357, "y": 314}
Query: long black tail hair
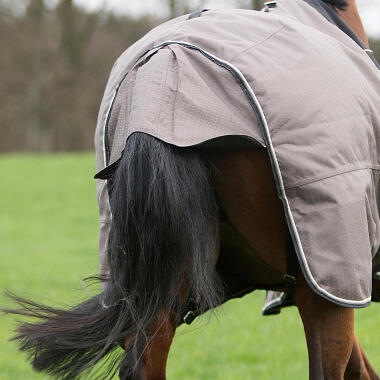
{"x": 163, "y": 239}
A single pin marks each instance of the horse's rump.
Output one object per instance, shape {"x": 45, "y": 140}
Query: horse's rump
{"x": 288, "y": 81}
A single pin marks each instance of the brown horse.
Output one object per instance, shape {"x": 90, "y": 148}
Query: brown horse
{"x": 334, "y": 351}
{"x": 176, "y": 213}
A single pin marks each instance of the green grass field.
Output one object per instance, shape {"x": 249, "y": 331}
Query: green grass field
{"x": 48, "y": 243}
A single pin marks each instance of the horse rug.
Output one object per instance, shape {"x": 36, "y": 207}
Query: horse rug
{"x": 287, "y": 80}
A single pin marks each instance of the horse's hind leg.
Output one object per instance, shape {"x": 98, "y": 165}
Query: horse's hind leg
{"x": 371, "y": 372}
{"x": 329, "y": 330}
{"x": 153, "y": 362}
{"x": 156, "y": 354}
{"x": 359, "y": 367}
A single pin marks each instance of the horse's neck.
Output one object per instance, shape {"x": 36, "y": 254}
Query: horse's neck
{"x": 352, "y": 18}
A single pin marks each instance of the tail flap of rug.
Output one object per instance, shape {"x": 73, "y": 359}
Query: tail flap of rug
{"x": 181, "y": 97}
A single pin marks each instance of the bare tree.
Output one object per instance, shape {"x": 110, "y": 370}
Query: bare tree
{"x": 172, "y": 8}
{"x": 76, "y": 32}
{"x": 257, "y": 4}
{"x": 180, "y": 7}
{"x": 35, "y": 128}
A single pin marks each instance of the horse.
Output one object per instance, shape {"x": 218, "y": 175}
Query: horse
{"x": 178, "y": 215}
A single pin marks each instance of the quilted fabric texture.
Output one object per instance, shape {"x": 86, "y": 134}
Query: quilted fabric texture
{"x": 288, "y": 80}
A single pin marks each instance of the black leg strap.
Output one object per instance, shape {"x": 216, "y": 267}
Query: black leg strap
{"x": 290, "y": 278}
{"x": 186, "y": 313}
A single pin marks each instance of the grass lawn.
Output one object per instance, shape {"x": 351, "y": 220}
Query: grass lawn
{"x": 48, "y": 243}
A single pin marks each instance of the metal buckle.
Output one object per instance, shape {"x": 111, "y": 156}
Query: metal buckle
{"x": 189, "y": 317}
{"x": 271, "y": 4}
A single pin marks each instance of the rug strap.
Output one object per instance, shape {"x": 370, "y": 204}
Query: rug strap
{"x": 290, "y": 278}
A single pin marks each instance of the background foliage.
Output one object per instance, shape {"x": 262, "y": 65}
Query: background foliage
{"x": 54, "y": 65}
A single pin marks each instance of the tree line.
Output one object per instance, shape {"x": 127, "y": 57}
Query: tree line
{"x": 54, "y": 66}
{"x": 54, "y": 71}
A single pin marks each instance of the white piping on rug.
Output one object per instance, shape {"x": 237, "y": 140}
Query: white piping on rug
{"x": 108, "y": 205}
{"x": 105, "y": 125}
{"x": 277, "y": 171}
{"x": 285, "y": 199}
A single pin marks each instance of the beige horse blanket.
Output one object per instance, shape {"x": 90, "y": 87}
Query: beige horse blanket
{"x": 287, "y": 80}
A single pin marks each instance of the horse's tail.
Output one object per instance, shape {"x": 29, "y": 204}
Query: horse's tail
{"x": 161, "y": 252}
